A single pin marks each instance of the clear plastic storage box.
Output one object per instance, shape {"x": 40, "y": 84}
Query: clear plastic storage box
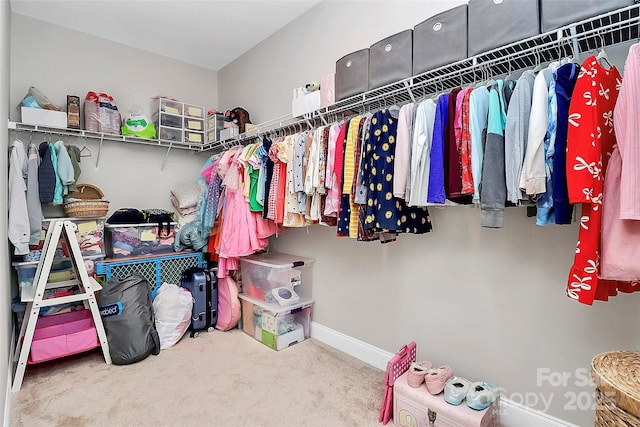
{"x": 124, "y": 240}
{"x": 275, "y": 326}
{"x": 263, "y": 274}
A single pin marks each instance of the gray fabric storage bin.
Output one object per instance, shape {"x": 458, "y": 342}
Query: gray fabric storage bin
{"x": 495, "y": 23}
{"x": 352, "y": 74}
{"x": 555, "y": 14}
{"x": 440, "y": 40}
{"x": 391, "y": 59}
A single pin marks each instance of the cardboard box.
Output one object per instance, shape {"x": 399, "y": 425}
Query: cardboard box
{"x": 73, "y": 112}
{"x": 38, "y": 116}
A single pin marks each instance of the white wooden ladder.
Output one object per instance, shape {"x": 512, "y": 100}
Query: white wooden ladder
{"x": 34, "y": 295}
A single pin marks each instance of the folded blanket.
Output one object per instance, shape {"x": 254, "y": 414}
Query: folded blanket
{"x": 187, "y": 195}
{"x": 189, "y": 210}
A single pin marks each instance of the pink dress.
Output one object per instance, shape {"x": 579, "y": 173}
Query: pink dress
{"x": 620, "y": 243}
{"x": 239, "y": 234}
{"x": 332, "y": 202}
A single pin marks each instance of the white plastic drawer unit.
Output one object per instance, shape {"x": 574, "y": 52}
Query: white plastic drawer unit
{"x": 170, "y": 134}
{"x": 195, "y": 111}
{"x": 170, "y": 107}
{"x": 193, "y": 137}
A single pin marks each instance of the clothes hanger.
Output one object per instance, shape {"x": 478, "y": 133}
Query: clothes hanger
{"x": 539, "y": 66}
{"x": 602, "y": 55}
{"x": 489, "y": 80}
{"x": 85, "y": 151}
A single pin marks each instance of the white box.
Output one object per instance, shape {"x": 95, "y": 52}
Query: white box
{"x": 305, "y": 104}
{"x": 39, "y": 116}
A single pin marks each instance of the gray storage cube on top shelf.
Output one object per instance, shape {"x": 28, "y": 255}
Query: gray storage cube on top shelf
{"x": 391, "y": 59}
{"x": 440, "y": 40}
{"x": 352, "y": 74}
{"x": 495, "y": 23}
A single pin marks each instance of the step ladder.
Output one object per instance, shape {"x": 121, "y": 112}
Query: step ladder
{"x": 34, "y": 295}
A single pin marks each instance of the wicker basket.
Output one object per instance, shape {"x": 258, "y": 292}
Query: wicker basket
{"x": 87, "y": 208}
{"x": 617, "y": 378}
{"x": 86, "y": 192}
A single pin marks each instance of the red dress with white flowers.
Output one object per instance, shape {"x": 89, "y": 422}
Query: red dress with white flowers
{"x": 590, "y": 142}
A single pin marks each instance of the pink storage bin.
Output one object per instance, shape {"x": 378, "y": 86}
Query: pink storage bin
{"x": 63, "y": 335}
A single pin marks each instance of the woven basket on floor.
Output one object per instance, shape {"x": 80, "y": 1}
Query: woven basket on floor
{"x": 617, "y": 378}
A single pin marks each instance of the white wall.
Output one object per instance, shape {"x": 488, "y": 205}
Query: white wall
{"x": 59, "y": 61}
{"x": 307, "y": 49}
{"x": 490, "y": 303}
{"x": 5, "y": 294}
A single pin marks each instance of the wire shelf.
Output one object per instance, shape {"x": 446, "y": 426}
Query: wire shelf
{"x": 606, "y": 30}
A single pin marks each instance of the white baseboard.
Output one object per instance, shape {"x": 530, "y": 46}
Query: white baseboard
{"x": 512, "y": 414}
{"x": 353, "y": 347}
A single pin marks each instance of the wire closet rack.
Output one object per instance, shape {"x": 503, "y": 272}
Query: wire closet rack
{"x": 606, "y": 30}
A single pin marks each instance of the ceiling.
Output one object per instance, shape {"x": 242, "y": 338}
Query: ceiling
{"x": 207, "y": 33}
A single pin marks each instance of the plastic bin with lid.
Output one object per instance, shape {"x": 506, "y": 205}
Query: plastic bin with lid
{"x": 262, "y": 273}
{"x": 274, "y": 326}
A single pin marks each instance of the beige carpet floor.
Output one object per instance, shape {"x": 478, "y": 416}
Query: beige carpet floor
{"x": 216, "y": 379}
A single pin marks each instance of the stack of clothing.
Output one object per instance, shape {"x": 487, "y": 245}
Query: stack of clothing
{"x": 185, "y": 199}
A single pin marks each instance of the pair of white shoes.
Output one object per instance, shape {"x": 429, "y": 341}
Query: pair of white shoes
{"x": 479, "y": 395}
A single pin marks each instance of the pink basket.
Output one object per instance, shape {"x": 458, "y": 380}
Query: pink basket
{"x": 63, "y": 335}
{"x": 397, "y": 366}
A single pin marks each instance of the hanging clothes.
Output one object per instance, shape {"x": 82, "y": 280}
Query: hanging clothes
{"x": 332, "y": 201}
{"x": 58, "y": 190}
{"x": 421, "y": 152}
{"x": 566, "y": 77}
{"x": 465, "y": 145}
{"x": 74, "y": 156}
{"x": 533, "y": 176}
{"x": 33, "y": 195}
{"x": 401, "y": 165}
{"x": 268, "y": 175}
{"x": 348, "y": 176}
{"x": 478, "y": 115}
{"x": 493, "y": 191}
{"x": 590, "y": 141}
{"x": 66, "y": 172}
{"x": 452, "y": 172}
{"x": 46, "y": 174}
{"x": 18, "y": 228}
{"x": 437, "y": 192}
{"x": 621, "y": 194}
{"x": 545, "y": 213}
{"x": 516, "y": 134}
{"x": 385, "y": 212}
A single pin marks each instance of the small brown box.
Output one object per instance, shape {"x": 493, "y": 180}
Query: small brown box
{"x": 73, "y": 112}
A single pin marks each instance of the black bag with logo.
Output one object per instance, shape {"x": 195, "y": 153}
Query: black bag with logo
{"x": 129, "y": 322}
